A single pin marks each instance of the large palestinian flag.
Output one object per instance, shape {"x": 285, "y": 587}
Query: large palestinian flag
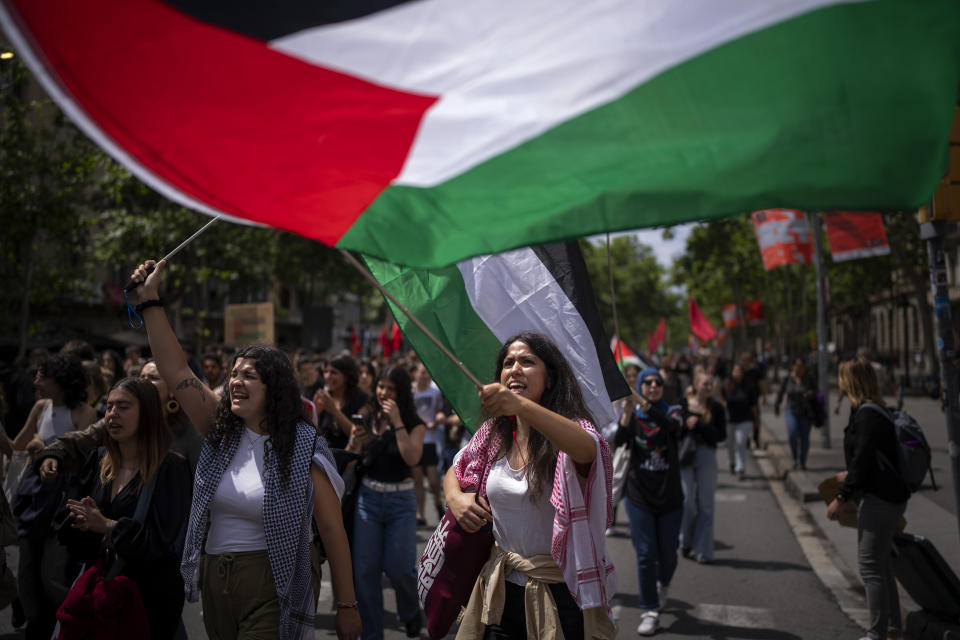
{"x": 424, "y": 132}
{"x": 474, "y": 306}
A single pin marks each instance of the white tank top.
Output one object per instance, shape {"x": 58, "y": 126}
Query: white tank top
{"x": 236, "y": 509}
{"x": 54, "y": 422}
{"x": 519, "y": 524}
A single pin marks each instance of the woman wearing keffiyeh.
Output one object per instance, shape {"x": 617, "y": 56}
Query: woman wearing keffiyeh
{"x": 540, "y": 473}
{"x": 262, "y": 476}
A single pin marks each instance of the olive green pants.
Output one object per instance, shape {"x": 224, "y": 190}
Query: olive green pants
{"x": 239, "y": 595}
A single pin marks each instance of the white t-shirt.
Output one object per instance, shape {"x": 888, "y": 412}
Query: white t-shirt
{"x": 54, "y": 422}
{"x": 236, "y": 509}
{"x": 519, "y": 524}
{"x": 428, "y": 402}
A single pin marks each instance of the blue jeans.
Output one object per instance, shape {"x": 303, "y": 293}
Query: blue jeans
{"x": 699, "y": 481}
{"x": 798, "y": 432}
{"x": 655, "y": 538}
{"x": 385, "y": 541}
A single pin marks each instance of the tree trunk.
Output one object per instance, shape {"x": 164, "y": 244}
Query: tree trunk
{"x": 28, "y": 265}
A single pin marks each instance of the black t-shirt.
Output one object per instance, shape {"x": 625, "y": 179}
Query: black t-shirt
{"x": 329, "y": 428}
{"x": 708, "y": 433}
{"x": 653, "y": 479}
{"x": 381, "y": 454}
{"x": 740, "y": 402}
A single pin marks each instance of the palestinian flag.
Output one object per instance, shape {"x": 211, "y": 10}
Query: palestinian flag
{"x": 427, "y": 131}
{"x": 624, "y": 355}
{"x": 473, "y": 307}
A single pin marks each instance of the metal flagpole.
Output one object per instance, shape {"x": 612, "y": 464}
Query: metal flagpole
{"x": 389, "y": 296}
{"x": 133, "y": 285}
{"x": 813, "y": 220}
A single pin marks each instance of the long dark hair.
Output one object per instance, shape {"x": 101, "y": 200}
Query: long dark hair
{"x": 283, "y": 407}
{"x": 562, "y": 396}
{"x": 404, "y": 390}
{"x": 153, "y": 434}
{"x": 347, "y": 366}
{"x": 67, "y": 371}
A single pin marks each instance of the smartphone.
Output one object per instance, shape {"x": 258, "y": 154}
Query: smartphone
{"x": 360, "y": 419}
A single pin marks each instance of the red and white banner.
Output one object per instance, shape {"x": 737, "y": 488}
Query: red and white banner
{"x": 731, "y": 317}
{"x": 855, "y": 235}
{"x": 783, "y": 236}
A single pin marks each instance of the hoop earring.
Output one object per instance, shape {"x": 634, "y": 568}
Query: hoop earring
{"x": 173, "y": 406}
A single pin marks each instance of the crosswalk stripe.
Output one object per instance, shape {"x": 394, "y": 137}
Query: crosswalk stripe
{"x": 734, "y": 616}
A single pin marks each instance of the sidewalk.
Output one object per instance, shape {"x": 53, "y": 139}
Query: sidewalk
{"x": 929, "y": 513}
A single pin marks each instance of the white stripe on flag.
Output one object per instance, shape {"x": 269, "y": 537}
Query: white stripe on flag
{"x": 513, "y": 292}
{"x": 509, "y": 71}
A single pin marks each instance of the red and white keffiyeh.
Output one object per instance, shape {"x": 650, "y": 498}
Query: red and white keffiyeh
{"x": 584, "y": 511}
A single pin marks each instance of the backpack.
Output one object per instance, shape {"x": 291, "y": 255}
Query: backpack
{"x": 913, "y": 451}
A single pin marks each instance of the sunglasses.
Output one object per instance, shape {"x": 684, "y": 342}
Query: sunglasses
{"x": 652, "y": 382}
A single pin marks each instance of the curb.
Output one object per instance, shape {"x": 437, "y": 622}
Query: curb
{"x": 793, "y": 492}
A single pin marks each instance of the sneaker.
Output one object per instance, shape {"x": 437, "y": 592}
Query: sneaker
{"x": 662, "y": 590}
{"x": 649, "y": 622}
{"x": 611, "y": 532}
{"x": 686, "y": 552}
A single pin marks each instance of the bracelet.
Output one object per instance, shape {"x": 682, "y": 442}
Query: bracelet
{"x": 840, "y": 497}
{"x": 146, "y": 304}
{"x": 347, "y": 605}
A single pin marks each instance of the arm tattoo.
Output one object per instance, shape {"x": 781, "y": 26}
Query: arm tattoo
{"x": 196, "y": 384}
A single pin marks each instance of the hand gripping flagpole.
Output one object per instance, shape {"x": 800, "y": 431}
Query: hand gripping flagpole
{"x": 389, "y": 296}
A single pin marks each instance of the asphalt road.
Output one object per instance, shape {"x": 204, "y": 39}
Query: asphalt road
{"x": 760, "y": 585}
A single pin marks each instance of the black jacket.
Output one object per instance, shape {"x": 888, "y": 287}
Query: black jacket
{"x": 869, "y": 434}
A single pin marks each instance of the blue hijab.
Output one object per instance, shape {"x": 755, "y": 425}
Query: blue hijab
{"x": 661, "y": 404}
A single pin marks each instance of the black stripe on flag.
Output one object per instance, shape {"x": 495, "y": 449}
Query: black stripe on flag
{"x": 565, "y": 261}
{"x": 271, "y": 19}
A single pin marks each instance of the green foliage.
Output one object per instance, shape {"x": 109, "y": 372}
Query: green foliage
{"x": 640, "y": 285}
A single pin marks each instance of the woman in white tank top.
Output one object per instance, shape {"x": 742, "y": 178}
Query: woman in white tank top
{"x": 62, "y": 389}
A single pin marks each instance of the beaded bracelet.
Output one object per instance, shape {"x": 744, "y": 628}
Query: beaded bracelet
{"x": 347, "y": 605}
{"x": 146, "y": 304}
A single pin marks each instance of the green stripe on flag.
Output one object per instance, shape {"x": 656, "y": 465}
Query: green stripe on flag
{"x": 844, "y": 108}
{"x": 438, "y": 299}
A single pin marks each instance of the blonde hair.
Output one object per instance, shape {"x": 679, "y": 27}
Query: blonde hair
{"x": 701, "y": 373}
{"x": 858, "y": 379}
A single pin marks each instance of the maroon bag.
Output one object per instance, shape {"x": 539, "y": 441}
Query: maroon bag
{"x": 447, "y": 571}
{"x": 100, "y": 607}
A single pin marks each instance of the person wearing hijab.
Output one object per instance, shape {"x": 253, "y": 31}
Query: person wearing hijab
{"x": 654, "y": 494}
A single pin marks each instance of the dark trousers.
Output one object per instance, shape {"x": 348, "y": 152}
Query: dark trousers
{"x": 513, "y": 624}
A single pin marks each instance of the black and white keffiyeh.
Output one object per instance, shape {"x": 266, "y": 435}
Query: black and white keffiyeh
{"x": 286, "y": 521}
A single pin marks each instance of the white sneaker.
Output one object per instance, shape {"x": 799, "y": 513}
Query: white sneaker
{"x": 649, "y": 623}
{"x": 662, "y": 590}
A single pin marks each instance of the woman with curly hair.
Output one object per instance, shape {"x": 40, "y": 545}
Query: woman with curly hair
{"x": 45, "y": 571}
{"x": 62, "y": 390}
{"x": 263, "y": 473}
{"x": 385, "y": 520}
{"x": 533, "y": 464}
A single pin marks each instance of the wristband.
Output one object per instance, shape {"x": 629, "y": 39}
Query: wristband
{"x": 146, "y": 304}
{"x": 348, "y": 605}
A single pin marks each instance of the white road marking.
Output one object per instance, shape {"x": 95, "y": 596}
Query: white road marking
{"x": 734, "y": 616}
{"x": 723, "y": 496}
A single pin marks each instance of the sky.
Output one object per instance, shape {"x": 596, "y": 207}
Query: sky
{"x": 666, "y": 251}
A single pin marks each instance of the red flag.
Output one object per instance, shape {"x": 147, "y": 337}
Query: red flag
{"x": 855, "y": 235}
{"x": 658, "y": 336}
{"x": 396, "y": 337}
{"x": 783, "y": 236}
{"x": 699, "y": 325}
{"x": 754, "y": 311}
{"x": 386, "y": 346}
{"x": 355, "y": 345}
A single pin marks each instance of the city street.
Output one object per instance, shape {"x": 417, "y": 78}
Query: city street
{"x": 762, "y": 583}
